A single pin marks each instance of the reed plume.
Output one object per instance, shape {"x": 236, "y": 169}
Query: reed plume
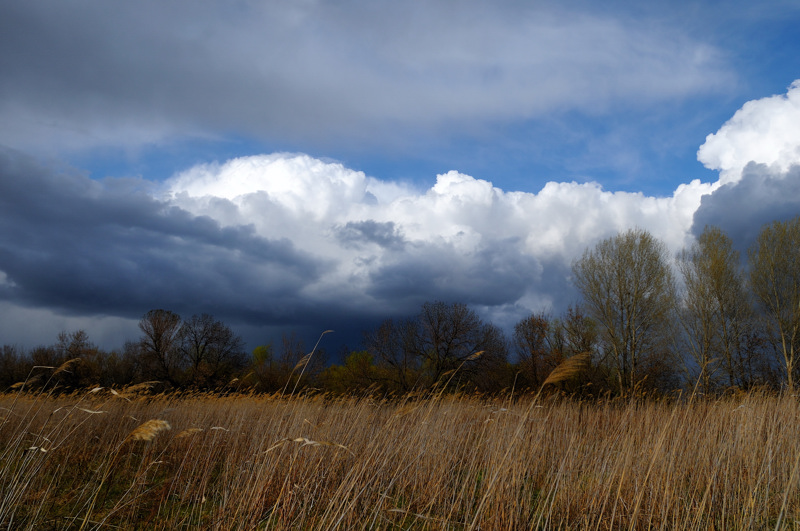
{"x": 148, "y": 430}
{"x": 569, "y": 369}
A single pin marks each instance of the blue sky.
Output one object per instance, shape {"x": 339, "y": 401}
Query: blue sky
{"x": 628, "y": 141}
{"x": 311, "y": 165}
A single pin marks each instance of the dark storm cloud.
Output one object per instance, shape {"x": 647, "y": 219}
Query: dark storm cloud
{"x": 119, "y": 247}
{"x": 85, "y": 74}
{"x": 88, "y": 247}
{"x": 497, "y": 273}
{"x": 742, "y": 208}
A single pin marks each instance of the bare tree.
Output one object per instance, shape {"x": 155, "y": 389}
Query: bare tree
{"x": 89, "y": 364}
{"x": 391, "y": 346}
{"x": 716, "y": 316}
{"x": 579, "y": 331}
{"x": 449, "y": 335}
{"x": 160, "y": 345}
{"x": 212, "y": 350}
{"x": 14, "y": 366}
{"x": 775, "y": 280}
{"x": 442, "y": 338}
{"x": 73, "y": 345}
{"x": 628, "y": 288}
{"x": 542, "y": 343}
{"x": 534, "y": 349}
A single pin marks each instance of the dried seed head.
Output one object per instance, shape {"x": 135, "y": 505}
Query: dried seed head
{"x": 569, "y": 368}
{"x": 475, "y": 356}
{"x": 148, "y": 430}
{"x": 188, "y": 432}
{"x": 303, "y": 361}
{"x": 67, "y": 365}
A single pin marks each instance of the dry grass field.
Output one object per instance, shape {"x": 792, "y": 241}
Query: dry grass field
{"x": 99, "y": 460}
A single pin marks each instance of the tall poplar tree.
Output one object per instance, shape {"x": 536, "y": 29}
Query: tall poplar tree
{"x": 717, "y": 315}
{"x": 775, "y": 280}
{"x": 629, "y": 290}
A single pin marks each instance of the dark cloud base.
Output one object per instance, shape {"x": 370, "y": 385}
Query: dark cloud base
{"x": 110, "y": 248}
{"x": 742, "y": 208}
{"x": 82, "y": 247}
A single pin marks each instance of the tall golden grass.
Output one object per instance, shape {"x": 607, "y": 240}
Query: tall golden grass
{"x": 444, "y": 462}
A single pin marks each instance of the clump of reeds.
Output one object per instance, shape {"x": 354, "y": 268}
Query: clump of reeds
{"x": 448, "y": 460}
{"x": 144, "y": 432}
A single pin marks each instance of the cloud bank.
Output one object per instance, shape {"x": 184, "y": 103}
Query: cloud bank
{"x": 291, "y": 241}
{"x": 757, "y": 153}
{"x": 84, "y": 75}
{"x": 764, "y": 131}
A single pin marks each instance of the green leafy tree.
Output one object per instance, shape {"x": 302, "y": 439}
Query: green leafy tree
{"x": 358, "y": 373}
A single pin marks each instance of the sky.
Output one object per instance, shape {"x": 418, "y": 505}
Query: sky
{"x": 305, "y": 165}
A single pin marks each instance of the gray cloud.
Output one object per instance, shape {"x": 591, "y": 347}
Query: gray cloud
{"x": 107, "y": 248}
{"x": 287, "y": 241}
{"x": 742, "y": 208}
{"x": 290, "y": 241}
{"x": 92, "y": 74}
{"x": 359, "y": 233}
{"x": 79, "y": 252}
{"x": 496, "y": 273}
{"x": 278, "y": 240}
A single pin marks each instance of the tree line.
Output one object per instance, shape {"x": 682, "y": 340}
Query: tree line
{"x": 645, "y": 321}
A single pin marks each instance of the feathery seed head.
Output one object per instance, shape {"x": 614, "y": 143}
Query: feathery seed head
{"x": 148, "y": 430}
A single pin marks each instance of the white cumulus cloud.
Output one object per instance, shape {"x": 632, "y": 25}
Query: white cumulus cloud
{"x": 462, "y": 237}
{"x": 285, "y": 240}
{"x": 764, "y": 131}
{"x": 757, "y": 153}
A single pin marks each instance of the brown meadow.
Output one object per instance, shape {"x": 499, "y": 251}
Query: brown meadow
{"x": 102, "y": 460}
